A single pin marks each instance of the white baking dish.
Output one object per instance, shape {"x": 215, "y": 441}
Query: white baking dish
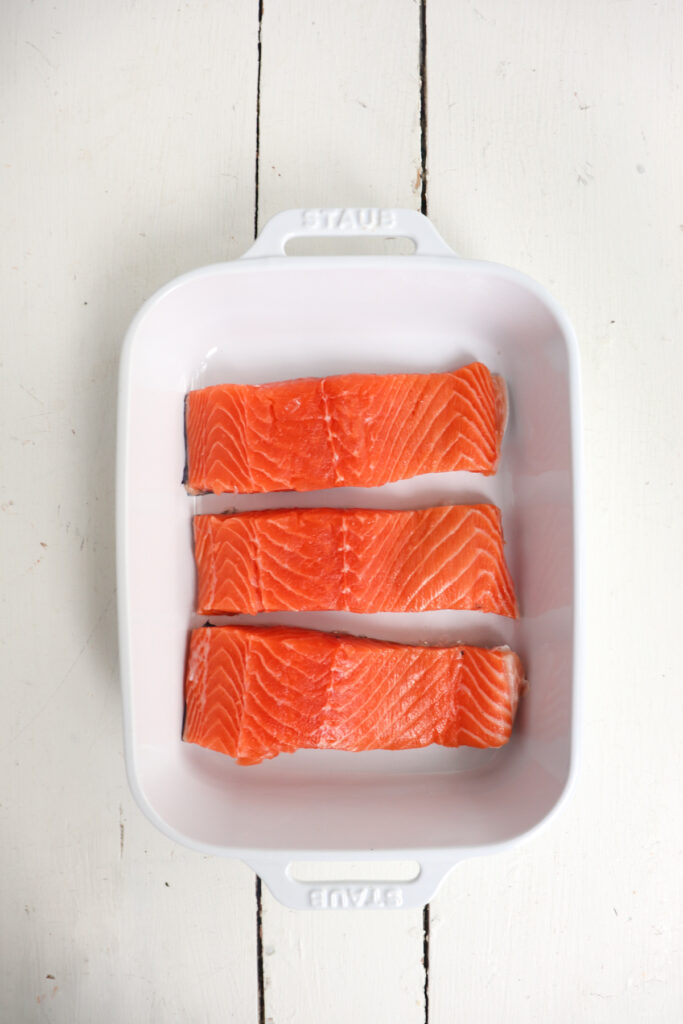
{"x": 268, "y": 316}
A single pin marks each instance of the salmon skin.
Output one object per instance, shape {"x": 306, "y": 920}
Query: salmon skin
{"x": 354, "y": 430}
{"x": 254, "y": 693}
{"x": 356, "y": 560}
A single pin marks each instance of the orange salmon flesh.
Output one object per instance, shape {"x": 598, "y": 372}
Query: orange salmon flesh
{"x": 254, "y": 692}
{"x": 357, "y": 560}
{"x": 354, "y": 430}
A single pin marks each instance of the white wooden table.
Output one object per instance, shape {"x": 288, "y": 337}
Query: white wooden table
{"x": 141, "y": 139}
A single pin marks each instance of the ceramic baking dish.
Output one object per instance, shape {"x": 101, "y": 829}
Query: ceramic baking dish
{"x": 270, "y": 316}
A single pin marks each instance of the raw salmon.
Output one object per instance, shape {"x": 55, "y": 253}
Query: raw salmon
{"x": 255, "y": 692}
{"x": 355, "y": 430}
{"x": 356, "y": 560}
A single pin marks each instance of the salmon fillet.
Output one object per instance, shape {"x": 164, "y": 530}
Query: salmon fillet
{"x": 354, "y": 430}
{"x": 254, "y": 693}
{"x": 356, "y": 560}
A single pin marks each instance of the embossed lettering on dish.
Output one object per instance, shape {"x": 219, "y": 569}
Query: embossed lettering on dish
{"x": 338, "y": 219}
{"x": 355, "y": 897}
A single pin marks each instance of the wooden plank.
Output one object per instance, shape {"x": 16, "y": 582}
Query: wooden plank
{"x": 554, "y": 144}
{"x": 339, "y": 106}
{"x": 360, "y": 966}
{"x": 128, "y": 157}
{"x": 340, "y": 126}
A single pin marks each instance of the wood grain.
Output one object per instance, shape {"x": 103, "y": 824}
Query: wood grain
{"x": 345, "y": 133}
{"x": 127, "y": 157}
{"x": 553, "y": 145}
{"x": 340, "y": 106}
{"x": 128, "y": 135}
{"x": 340, "y": 966}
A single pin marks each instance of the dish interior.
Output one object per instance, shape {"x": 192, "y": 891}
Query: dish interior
{"x": 269, "y": 320}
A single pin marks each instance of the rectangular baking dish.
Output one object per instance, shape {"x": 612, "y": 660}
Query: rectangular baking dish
{"x": 269, "y": 316}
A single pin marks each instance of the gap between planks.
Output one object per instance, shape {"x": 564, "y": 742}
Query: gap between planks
{"x": 423, "y": 105}
{"x": 422, "y": 57}
{"x": 259, "y": 953}
{"x": 259, "y": 885}
{"x": 258, "y": 116}
{"x": 425, "y": 956}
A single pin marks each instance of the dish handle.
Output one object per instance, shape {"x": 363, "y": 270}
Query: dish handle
{"x": 339, "y": 222}
{"x": 345, "y": 894}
